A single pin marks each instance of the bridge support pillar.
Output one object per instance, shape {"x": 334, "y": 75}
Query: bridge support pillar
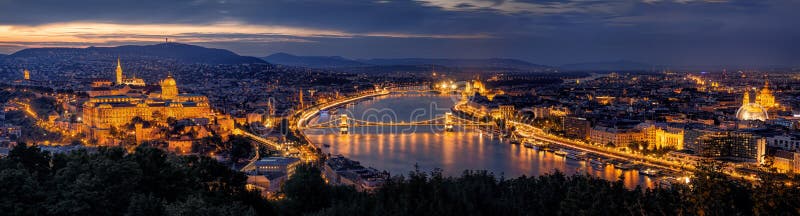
{"x": 343, "y": 124}
{"x": 448, "y": 121}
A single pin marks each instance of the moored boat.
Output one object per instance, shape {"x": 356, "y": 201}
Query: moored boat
{"x": 527, "y": 145}
{"x": 597, "y": 164}
{"x": 649, "y": 172}
{"x": 572, "y": 156}
{"x": 623, "y": 165}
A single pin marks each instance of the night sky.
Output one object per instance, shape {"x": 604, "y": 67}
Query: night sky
{"x": 675, "y": 32}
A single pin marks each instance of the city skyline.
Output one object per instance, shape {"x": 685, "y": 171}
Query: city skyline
{"x": 680, "y": 32}
{"x": 400, "y": 107}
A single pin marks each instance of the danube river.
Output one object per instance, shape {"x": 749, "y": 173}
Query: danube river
{"x": 399, "y": 149}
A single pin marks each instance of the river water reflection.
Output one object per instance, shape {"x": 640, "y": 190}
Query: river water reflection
{"x": 398, "y": 149}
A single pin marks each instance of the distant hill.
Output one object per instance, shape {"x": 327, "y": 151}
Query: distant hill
{"x": 182, "y": 53}
{"x": 312, "y": 61}
{"x": 621, "y": 65}
{"x": 490, "y": 62}
{"x": 341, "y": 62}
{"x": 398, "y": 68}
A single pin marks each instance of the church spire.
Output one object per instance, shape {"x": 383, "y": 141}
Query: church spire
{"x": 119, "y": 71}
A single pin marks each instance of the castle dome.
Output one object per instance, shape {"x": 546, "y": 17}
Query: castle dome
{"x": 169, "y": 81}
{"x": 752, "y": 111}
{"x": 169, "y": 88}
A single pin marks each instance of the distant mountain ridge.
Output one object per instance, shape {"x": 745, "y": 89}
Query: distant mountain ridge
{"x": 178, "y": 52}
{"x": 620, "y": 65}
{"x": 340, "y": 62}
{"x": 488, "y": 62}
{"x": 312, "y": 61}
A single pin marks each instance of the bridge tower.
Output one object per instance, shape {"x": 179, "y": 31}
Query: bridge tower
{"x": 448, "y": 121}
{"x": 343, "y": 124}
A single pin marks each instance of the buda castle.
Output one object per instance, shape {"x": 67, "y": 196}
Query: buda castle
{"x": 118, "y": 109}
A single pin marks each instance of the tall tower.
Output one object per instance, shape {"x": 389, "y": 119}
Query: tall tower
{"x": 119, "y": 72}
{"x": 746, "y": 97}
{"x": 301, "y": 97}
{"x": 270, "y": 107}
{"x": 27, "y": 74}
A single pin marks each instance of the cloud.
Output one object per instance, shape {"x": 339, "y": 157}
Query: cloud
{"x": 684, "y": 1}
{"x": 544, "y": 31}
{"x": 83, "y": 33}
{"x": 539, "y": 7}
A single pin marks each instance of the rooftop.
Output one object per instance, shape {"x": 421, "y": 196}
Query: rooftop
{"x": 277, "y": 161}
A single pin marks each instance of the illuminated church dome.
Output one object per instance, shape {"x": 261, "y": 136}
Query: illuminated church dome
{"x": 751, "y": 111}
{"x": 765, "y": 97}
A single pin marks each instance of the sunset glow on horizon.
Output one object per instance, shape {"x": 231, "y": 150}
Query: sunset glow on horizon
{"x": 82, "y": 34}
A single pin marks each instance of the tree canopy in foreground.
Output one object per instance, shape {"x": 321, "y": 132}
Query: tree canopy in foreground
{"x": 149, "y": 181}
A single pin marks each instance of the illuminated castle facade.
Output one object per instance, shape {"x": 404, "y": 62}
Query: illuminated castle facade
{"x": 101, "y": 113}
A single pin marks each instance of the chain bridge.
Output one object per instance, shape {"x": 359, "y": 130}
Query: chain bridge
{"x": 344, "y": 122}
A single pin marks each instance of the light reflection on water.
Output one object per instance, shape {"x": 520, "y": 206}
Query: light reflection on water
{"x": 398, "y": 149}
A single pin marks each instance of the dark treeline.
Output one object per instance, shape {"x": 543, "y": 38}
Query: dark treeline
{"x": 481, "y": 193}
{"x": 110, "y": 181}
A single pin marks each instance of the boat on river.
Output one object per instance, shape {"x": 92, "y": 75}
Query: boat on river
{"x": 623, "y": 165}
{"x": 573, "y": 156}
{"x": 649, "y": 172}
{"x": 528, "y": 144}
{"x": 596, "y": 164}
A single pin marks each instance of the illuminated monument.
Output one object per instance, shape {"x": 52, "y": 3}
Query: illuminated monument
{"x": 750, "y": 110}
{"x": 765, "y": 97}
{"x": 480, "y": 88}
{"x": 169, "y": 88}
{"x": 119, "y": 72}
{"x": 122, "y": 80}
{"x": 102, "y": 113}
